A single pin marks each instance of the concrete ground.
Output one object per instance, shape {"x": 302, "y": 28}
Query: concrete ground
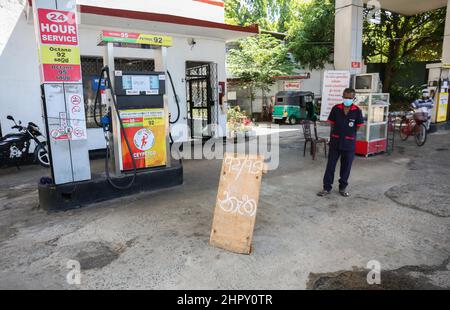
{"x": 398, "y": 215}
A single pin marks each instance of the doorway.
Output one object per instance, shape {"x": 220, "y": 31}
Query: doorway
{"x": 201, "y": 80}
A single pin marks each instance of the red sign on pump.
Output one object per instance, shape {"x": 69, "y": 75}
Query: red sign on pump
{"x": 57, "y": 27}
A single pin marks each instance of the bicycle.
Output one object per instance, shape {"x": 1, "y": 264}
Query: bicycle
{"x": 413, "y": 124}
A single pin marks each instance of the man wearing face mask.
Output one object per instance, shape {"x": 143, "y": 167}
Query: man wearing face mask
{"x": 425, "y": 106}
{"x": 345, "y": 120}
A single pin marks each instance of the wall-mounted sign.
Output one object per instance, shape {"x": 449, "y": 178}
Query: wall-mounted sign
{"x": 134, "y": 38}
{"x": 292, "y": 85}
{"x": 356, "y": 64}
{"x": 334, "y": 83}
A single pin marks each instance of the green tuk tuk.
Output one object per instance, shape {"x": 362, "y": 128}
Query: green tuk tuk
{"x": 293, "y": 106}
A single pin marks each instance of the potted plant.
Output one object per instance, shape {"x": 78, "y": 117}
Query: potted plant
{"x": 238, "y": 124}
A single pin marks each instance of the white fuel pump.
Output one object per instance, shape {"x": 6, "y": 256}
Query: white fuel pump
{"x": 136, "y": 127}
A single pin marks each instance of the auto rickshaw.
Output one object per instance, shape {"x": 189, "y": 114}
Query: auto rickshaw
{"x": 293, "y": 106}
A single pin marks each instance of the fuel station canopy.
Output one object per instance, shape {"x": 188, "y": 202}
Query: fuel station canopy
{"x": 409, "y": 7}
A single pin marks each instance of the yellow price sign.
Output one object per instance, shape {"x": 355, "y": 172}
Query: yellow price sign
{"x": 134, "y": 38}
{"x": 60, "y": 55}
{"x": 154, "y": 40}
{"x": 154, "y": 118}
{"x": 442, "y": 107}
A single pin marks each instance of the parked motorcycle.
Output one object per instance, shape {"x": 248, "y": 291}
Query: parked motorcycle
{"x": 14, "y": 147}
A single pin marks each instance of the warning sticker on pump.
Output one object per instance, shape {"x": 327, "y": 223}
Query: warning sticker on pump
{"x": 152, "y": 92}
{"x": 131, "y": 92}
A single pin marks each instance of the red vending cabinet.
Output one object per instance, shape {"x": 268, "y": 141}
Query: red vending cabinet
{"x": 372, "y": 137}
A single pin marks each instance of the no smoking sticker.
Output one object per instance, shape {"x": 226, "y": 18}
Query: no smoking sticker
{"x": 79, "y": 132}
{"x": 76, "y": 100}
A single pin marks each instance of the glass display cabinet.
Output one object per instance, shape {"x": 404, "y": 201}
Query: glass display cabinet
{"x": 372, "y": 137}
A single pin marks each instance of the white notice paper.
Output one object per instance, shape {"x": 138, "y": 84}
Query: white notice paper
{"x": 140, "y": 83}
{"x": 334, "y": 83}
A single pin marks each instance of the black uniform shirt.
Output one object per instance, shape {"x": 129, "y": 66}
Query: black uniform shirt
{"x": 343, "y": 134}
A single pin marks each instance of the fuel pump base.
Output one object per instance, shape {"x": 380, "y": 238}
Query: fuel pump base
{"x": 76, "y": 195}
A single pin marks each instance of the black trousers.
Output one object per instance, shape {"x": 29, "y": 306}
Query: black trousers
{"x": 346, "y": 167}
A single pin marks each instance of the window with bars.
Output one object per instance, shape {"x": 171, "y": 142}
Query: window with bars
{"x": 91, "y": 67}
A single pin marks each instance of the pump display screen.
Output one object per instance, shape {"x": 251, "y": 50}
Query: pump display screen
{"x": 135, "y": 84}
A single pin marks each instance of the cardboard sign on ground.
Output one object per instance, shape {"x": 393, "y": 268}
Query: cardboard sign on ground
{"x": 237, "y": 202}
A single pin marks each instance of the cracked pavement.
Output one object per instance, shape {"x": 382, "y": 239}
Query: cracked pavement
{"x": 398, "y": 215}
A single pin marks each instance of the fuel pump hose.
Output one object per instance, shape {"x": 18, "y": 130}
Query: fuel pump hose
{"x": 176, "y": 99}
{"x": 105, "y": 70}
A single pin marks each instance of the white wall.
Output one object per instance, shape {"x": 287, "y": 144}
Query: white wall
{"x": 348, "y": 34}
{"x": 19, "y": 75}
{"x": 186, "y": 8}
{"x": 315, "y": 82}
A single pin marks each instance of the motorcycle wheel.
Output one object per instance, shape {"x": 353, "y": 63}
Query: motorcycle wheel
{"x": 41, "y": 155}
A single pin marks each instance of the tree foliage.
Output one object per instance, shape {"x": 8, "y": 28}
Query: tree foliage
{"x": 400, "y": 40}
{"x": 311, "y": 35}
{"x": 309, "y": 25}
{"x": 271, "y": 15}
{"x": 258, "y": 60}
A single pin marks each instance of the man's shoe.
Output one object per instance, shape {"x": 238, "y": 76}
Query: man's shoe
{"x": 323, "y": 193}
{"x": 344, "y": 193}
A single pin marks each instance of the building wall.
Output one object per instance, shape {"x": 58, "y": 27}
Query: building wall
{"x": 198, "y": 9}
{"x": 313, "y": 84}
{"x": 19, "y": 75}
